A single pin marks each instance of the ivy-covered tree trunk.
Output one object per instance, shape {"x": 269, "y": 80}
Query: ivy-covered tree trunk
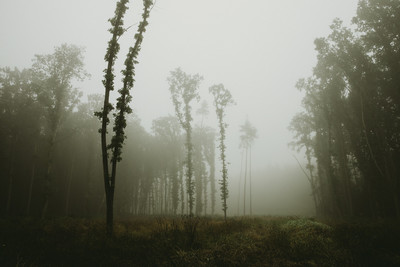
{"x": 189, "y": 170}
{"x": 182, "y": 187}
{"x": 223, "y": 181}
{"x": 222, "y": 98}
{"x": 183, "y": 88}
{"x": 212, "y": 176}
{"x": 122, "y": 107}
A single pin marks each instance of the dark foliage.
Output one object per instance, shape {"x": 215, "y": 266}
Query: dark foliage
{"x": 350, "y": 126}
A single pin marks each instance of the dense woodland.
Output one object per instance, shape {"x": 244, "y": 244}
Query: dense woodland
{"x": 45, "y": 134}
{"x": 51, "y": 160}
{"x": 350, "y": 127}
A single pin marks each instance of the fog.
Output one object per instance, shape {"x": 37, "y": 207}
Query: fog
{"x": 258, "y": 49}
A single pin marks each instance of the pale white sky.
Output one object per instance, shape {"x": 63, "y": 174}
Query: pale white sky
{"x": 257, "y": 48}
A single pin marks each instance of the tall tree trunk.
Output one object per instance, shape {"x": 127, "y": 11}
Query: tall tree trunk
{"x": 205, "y": 185}
{"x": 190, "y": 184}
{"x": 240, "y": 181}
{"x": 251, "y": 196}
{"x": 244, "y": 186}
{"x": 166, "y": 192}
{"x": 182, "y": 190}
{"x": 212, "y": 185}
{"x": 110, "y": 211}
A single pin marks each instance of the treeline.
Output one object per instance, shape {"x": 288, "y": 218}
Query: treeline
{"x": 51, "y": 157}
{"x": 350, "y": 127}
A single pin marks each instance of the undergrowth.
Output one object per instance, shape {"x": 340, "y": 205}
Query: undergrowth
{"x": 193, "y": 241}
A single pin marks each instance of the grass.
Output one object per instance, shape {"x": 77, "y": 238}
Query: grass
{"x": 184, "y": 241}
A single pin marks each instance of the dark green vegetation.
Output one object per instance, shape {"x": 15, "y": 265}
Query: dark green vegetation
{"x": 350, "y": 128}
{"x": 152, "y": 241}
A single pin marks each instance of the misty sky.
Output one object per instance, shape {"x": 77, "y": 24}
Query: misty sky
{"x": 257, "y": 48}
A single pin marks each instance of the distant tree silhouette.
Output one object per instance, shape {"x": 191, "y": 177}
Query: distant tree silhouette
{"x": 222, "y": 98}
{"x": 168, "y": 132}
{"x": 209, "y": 154}
{"x": 53, "y": 76}
{"x": 302, "y": 126}
{"x": 184, "y": 89}
{"x": 20, "y": 116}
{"x": 249, "y": 133}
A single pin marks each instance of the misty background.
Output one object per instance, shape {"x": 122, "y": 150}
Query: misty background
{"x": 257, "y": 49}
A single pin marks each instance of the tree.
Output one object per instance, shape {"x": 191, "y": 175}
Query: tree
{"x": 20, "y": 120}
{"x": 303, "y": 127}
{"x": 204, "y": 161}
{"x": 222, "y": 98}
{"x": 249, "y": 133}
{"x": 86, "y": 134}
{"x": 53, "y": 76}
{"x": 351, "y": 121}
{"x": 209, "y": 154}
{"x": 122, "y": 107}
{"x": 184, "y": 88}
{"x": 167, "y": 130}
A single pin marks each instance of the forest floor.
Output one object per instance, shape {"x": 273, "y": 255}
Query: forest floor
{"x": 184, "y": 241}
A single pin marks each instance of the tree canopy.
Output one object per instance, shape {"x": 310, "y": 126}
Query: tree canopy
{"x": 350, "y": 126}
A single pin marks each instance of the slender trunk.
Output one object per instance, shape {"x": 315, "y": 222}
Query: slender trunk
{"x": 240, "y": 181}
{"x": 244, "y": 186}
{"x": 182, "y": 191}
{"x": 205, "y": 185}
{"x": 111, "y": 55}
{"x": 166, "y": 192}
{"x": 106, "y": 177}
{"x": 190, "y": 185}
{"x": 312, "y": 180}
{"x": 162, "y": 194}
{"x": 212, "y": 185}
{"x": 251, "y": 196}
{"x": 110, "y": 211}
{"x": 148, "y": 201}
{"x": 224, "y": 182}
